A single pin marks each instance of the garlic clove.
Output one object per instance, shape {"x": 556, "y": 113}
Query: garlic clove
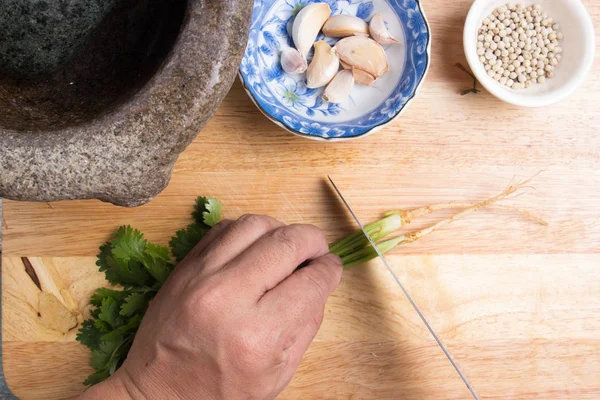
{"x": 345, "y": 25}
{"x": 307, "y": 25}
{"x": 380, "y": 32}
{"x": 340, "y": 87}
{"x": 362, "y": 53}
{"x": 363, "y": 78}
{"x": 323, "y": 67}
{"x": 345, "y": 66}
{"x": 292, "y": 61}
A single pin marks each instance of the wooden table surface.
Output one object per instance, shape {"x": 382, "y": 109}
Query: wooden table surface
{"x": 516, "y": 303}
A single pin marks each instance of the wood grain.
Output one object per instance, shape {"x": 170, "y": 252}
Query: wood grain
{"x": 533, "y": 338}
{"x": 517, "y": 304}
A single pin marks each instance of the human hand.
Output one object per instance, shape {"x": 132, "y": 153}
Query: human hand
{"x": 234, "y": 318}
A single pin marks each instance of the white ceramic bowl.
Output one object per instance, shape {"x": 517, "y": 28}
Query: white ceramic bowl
{"x": 577, "y": 57}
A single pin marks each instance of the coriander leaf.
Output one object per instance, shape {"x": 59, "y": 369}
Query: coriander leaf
{"x": 109, "y": 312}
{"x": 117, "y": 334}
{"x": 135, "y": 302}
{"x": 89, "y": 335}
{"x": 128, "y": 244}
{"x": 126, "y": 272}
{"x": 102, "y": 293}
{"x": 185, "y": 240}
{"x": 103, "y": 326}
{"x": 199, "y": 208}
{"x": 207, "y": 211}
{"x": 156, "y": 260}
{"x": 101, "y": 356}
{"x": 96, "y": 377}
{"x": 133, "y": 273}
{"x": 94, "y": 313}
{"x": 212, "y": 215}
{"x": 157, "y": 251}
{"x": 105, "y": 253}
{"x": 120, "y": 259}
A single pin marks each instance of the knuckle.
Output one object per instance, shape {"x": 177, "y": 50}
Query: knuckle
{"x": 319, "y": 235}
{"x": 287, "y": 239}
{"x": 257, "y": 222}
{"x": 249, "y": 346}
{"x": 223, "y": 223}
{"x": 253, "y": 219}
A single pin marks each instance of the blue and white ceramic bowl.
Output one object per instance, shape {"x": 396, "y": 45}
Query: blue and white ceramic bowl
{"x": 286, "y": 100}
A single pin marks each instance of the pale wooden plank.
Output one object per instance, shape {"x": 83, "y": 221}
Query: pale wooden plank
{"x": 519, "y": 325}
{"x": 568, "y": 200}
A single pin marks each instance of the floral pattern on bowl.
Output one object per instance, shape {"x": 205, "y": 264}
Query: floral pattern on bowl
{"x": 285, "y": 99}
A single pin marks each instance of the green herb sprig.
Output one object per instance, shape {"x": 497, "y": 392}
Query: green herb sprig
{"x": 140, "y": 268}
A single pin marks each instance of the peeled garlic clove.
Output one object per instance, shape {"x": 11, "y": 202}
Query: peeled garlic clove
{"x": 292, "y": 61}
{"x": 307, "y": 25}
{"x": 345, "y": 25}
{"x": 340, "y": 87}
{"x": 323, "y": 67}
{"x": 362, "y": 53}
{"x": 380, "y": 32}
{"x": 363, "y": 78}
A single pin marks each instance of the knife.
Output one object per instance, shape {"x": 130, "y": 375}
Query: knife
{"x": 435, "y": 336}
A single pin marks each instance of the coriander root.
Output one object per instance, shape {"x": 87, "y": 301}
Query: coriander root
{"x": 355, "y": 249}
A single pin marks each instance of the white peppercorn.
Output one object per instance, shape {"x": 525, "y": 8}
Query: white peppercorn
{"x": 518, "y": 45}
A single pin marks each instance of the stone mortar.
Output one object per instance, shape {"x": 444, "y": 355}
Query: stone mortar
{"x": 110, "y": 123}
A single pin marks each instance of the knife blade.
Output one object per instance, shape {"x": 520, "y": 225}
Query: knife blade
{"x": 406, "y": 294}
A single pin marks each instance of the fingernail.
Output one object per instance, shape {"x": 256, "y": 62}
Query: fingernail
{"x": 334, "y": 258}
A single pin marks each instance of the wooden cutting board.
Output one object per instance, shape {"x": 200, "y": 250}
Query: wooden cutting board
{"x": 516, "y": 303}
